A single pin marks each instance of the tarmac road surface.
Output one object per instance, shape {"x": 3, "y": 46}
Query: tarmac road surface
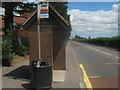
{"x": 98, "y": 66}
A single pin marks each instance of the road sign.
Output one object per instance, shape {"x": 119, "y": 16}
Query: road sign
{"x": 44, "y": 10}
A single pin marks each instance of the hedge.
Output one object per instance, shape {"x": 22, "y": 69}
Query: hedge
{"x": 113, "y": 42}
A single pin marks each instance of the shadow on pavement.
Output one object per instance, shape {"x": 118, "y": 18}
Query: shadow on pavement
{"x": 27, "y": 86}
{"x": 22, "y": 73}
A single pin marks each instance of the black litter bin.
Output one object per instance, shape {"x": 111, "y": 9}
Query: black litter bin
{"x": 41, "y": 74}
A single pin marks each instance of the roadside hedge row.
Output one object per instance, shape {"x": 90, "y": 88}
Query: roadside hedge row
{"x": 113, "y": 42}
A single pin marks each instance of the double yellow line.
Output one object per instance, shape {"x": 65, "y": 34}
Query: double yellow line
{"x": 86, "y": 79}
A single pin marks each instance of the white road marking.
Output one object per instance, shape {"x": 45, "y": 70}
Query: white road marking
{"x": 117, "y": 57}
{"x": 106, "y": 53}
{"x": 97, "y": 49}
{"x": 101, "y": 51}
{"x": 90, "y": 47}
{"x": 113, "y": 63}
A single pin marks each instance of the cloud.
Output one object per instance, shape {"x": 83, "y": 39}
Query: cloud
{"x": 95, "y": 23}
{"x": 2, "y": 11}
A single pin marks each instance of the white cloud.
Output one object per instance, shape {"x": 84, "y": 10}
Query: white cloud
{"x": 2, "y": 11}
{"x": 94, "y": 23}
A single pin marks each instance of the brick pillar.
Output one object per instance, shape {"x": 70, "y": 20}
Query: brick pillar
{"x": 53, "y": 46}
{"x": 45, "y": 42}
{"x": 47, "y": 45}
{"x": 33, "y": 44}
{"x": 59, "y": 49}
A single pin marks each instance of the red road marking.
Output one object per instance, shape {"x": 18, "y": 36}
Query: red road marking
{"x": 105, "y": 82}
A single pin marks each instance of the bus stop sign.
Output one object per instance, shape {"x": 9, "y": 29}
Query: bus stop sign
{"x": 44, "y": 10}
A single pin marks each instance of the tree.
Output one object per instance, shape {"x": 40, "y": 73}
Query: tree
{"x": 77, "y": 37}
{"x": 17, "y": 7}
{"x": 9, "y": 8}
{"x": 89, "y": 37}
{"x": 61, "y": 7}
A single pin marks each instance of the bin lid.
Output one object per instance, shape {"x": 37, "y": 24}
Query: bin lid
{"x": 41, "y": 63}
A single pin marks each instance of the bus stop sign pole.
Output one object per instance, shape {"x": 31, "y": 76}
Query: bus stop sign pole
{"x": 38, "y": 20}
{"x": 42, "y": 12}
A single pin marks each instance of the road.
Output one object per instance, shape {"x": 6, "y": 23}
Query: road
{"x": 98, "y": 65}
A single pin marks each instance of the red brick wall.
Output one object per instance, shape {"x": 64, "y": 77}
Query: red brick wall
{"x": 46, "y": 45}
{"x": 23, "y": 37}
{"x": 23, "y": 33}
{"x": 53, "y": 46}
{"x": 59, "y": 50}
{"x": 33, "y": 46}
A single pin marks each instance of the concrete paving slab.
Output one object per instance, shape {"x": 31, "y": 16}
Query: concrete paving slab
{"x": 59, "y": 75}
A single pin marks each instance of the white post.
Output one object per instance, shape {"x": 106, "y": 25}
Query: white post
{"x": 38, "y": 20}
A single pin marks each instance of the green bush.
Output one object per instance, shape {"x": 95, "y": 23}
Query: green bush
{"x": 17, "y": 48}
{"x": 20, "y": 49}
{"x": 7, "y": 55}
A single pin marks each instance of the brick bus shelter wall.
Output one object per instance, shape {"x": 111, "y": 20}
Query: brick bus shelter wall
{"x": 52, "y": 45}
{"x": 59, "y": 50}
{"x": 46, "y": 46}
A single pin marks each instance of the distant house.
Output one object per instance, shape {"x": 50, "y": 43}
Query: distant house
{"x": 18, "y": 20}
{"x": 1, "y": 25}
{"x": 17, "y": 23}
{"x": 2, "y": 22}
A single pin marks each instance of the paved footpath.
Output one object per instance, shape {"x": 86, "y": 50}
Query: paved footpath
{"x": 18, "y": 76}
{"x": 12, "y": 76}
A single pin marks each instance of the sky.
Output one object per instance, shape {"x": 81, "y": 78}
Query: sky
{"x": 93, "y": 0}
{"x": 74, "y": 0}
{"x": 94, "y": 19}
